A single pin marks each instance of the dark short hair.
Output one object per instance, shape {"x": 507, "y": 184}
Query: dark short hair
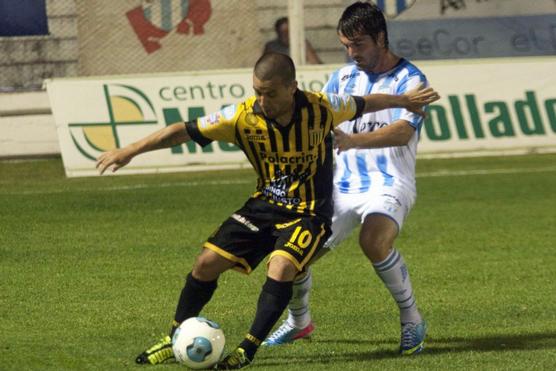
{"x": 271, "y": 65}
{"x": 363, "y": 18}
{"x": 279, "y": 22}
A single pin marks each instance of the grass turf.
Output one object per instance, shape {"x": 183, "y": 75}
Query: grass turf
{"x": 91, "y": 269}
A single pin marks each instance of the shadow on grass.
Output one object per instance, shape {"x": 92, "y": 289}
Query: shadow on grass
{"x": 502, "y": 342}
{"x": 434, "y": 346}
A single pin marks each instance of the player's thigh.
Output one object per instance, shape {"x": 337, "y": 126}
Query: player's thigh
{"x": 298, "y": 240}
{"x": 209, "y": 265}
{"x": 393, "y": 203}
{"x": 344, "y": 220}
{"x": 382, "y": 218}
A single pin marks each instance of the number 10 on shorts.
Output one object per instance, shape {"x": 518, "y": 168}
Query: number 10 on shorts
{"x": 299, "y": 240}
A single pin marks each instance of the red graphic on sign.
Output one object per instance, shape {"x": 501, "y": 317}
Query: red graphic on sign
{"x": 150, "y": 33}
{"x": 199, "y": 14}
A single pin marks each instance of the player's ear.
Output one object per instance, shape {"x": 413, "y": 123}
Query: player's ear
{"x": 380, "y": 40}
{"x": 293, "y": 86}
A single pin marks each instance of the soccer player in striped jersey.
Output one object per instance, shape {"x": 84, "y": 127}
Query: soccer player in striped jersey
{"x": 374, "y": 179}
{"x": 284, "y": 132}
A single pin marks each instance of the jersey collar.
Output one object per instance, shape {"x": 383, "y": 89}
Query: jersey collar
{"x": 299, "y": 98}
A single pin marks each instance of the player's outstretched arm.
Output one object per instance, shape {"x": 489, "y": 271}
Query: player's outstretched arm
{"x": 396, "y": 134}
{"x": 167, "y": 137}
{"x": 413, "y": 100}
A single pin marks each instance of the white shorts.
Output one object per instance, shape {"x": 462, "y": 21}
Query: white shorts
{"x": 351, "y": 209}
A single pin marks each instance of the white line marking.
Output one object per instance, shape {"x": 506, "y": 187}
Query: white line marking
{"x": 431, "y": 174}
{"x": 178, "y": 184}
{"x": 134, "y": 186}
{"x": 485, "y": 172}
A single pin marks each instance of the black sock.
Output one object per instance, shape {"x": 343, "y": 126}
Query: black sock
{"x": 274, "y": 298}
{"x": 194, "y": 295}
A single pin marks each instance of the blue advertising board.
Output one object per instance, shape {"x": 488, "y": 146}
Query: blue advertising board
{"x": 477, "y": 37}
{"x": 23, "y": 18}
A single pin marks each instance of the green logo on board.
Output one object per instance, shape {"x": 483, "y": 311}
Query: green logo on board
{"x": 472, "y": 120}
{"x": 129, "y": 106}
{"x": 126, "y": 105}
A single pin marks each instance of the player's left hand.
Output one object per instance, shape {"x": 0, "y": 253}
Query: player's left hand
{"x": 343, "y": 141}
{"x": 419, "y": 97}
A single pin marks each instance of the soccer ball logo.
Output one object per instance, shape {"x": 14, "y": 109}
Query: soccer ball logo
{"x": 198, "y": 343}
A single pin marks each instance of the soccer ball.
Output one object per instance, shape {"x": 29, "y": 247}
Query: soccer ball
{"x": 198, "y": 343}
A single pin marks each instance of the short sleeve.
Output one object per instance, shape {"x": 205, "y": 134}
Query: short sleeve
{"x": 408, "y": 83}
{"x": 344, "y": 107}
{"x": 218, "y": 126}
{"x": 332, "y": 85}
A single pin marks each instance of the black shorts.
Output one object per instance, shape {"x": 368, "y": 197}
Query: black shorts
{"x": 259, "y": 229}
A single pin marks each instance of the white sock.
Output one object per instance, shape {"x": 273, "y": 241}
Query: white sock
{"x": 299, "y": 315}
{"x": 395, "y": 276}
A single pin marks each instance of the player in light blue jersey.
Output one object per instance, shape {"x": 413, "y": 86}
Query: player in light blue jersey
{"x": 374, "y": 178}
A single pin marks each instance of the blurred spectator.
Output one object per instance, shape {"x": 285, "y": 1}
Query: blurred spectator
{"x": 282, "y": 42}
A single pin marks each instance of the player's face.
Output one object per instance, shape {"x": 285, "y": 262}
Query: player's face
{"x": 274, "y": 96}
{"x": 363, "y": 50}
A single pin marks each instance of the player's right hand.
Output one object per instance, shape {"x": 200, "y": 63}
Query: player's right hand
{"x": 419, "y": 97}
{"x": 115, "y": 158}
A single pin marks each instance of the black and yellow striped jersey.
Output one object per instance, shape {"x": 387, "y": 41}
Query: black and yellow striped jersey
{"x": 293, "y": 162}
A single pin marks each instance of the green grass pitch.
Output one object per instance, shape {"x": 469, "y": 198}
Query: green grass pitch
{"x": 91, "y": 269}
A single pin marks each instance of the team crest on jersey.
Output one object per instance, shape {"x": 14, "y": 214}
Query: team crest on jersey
{"x": 392, "y": 9}
{"x": 315, "y": 137}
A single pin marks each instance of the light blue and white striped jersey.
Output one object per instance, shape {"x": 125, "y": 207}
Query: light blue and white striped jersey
{"x": 357, "y": 170}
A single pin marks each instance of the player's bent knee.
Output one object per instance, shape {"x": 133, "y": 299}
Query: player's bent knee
{"x": 281, "y": 269}
{"x": 377, "y": 237}
{"x": 376, "y": 249}
{"x": 374, "y": 244}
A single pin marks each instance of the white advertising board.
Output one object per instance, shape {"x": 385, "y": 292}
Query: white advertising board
{"x": 486, "y": 105}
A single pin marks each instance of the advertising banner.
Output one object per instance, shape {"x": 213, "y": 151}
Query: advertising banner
{"x": 482, "y": 37}
{"x": 449, "y": 29}
{"x": 486, "y": 105}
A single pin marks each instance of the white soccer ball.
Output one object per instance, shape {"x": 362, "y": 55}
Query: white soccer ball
{"x": 198, "y": 343}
